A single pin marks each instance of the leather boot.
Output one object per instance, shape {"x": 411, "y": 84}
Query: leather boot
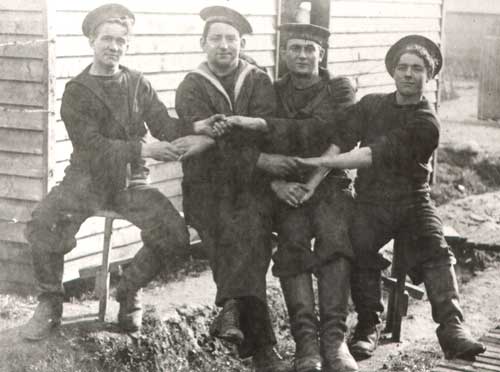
{"x": 227, "y": 324}
{"x": 442, "y": 290}
{"x": 46, "y": 318}
{"x": 144, "y": 267}
{"x": 130, "y": 312}
{"x": 333, "y": 288}
{"x": 299, "y": 298}
{"x": 267, "y": 359}
{"x": 367, "y": 297}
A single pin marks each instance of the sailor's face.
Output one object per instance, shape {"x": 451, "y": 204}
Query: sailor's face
{"x": 222, "y": 45}
{"x": 303, "y": 56}
{"x": 110, "y": 43}
{"x": 410, "y": 75}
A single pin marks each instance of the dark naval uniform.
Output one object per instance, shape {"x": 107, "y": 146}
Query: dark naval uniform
{"x": 309, "y": 129}
{"x": 104, "y": 118}
{"x": 393, "y": 201}
{"x": 393, "y": 194}
{"x": 226, "y": 198}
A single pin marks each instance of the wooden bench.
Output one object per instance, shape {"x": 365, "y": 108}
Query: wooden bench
{"x": 101, "y": 272}
{"x": 399, "y": 290}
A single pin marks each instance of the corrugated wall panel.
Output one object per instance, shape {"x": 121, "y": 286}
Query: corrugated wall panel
{"x": 23, "y": 115}
{"x": 363, "y": 31}
{"x": 165, "y": 46}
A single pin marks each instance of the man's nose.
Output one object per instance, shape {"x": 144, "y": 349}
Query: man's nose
{"x": 408, "y": 71}
{"x": 302, "y": 53}
{"x": 223, "y": 43}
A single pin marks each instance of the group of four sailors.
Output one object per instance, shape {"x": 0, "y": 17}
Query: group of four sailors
{"x": 257, "y": 157}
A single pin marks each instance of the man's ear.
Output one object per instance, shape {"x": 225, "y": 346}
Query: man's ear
{"x": 282, "y": 52}
{"x": 321, "y": 53}
{"x": 203, "y": 42}
{"x": 91, "y": 41}
{"x": 243, "y": 42}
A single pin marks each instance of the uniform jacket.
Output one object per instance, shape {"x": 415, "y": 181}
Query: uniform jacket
{"x": 310, "y": 130}
{"x": 229, "y": 169}
{"x": 104, "y": 147}
{"x": 402, "y": 139}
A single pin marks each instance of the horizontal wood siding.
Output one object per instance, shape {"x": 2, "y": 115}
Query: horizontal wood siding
{"x": 165, "y": 46}
{"x": 23, "y": 105}
{"x": 363, "y": 31}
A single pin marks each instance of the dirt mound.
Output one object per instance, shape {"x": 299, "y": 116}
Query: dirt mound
{"x": 463, "y": 170}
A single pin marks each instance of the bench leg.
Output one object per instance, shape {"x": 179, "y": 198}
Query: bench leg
{"x": 398, "y": 298}
{"x": 103, "y": 277}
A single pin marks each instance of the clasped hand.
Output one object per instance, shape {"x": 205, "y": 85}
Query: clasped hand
{"x": 219, "y": 124}
{"x": 292, "y": 193}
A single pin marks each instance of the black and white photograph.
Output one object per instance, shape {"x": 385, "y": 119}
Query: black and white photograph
{"x": 249, "y": 186}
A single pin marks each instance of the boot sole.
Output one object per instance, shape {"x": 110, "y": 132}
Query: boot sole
{"x": 360, "y": 354}
{"x": 468, "y": 355}
{"x": 33, "y": 338}
{"x": 234, "y": 338}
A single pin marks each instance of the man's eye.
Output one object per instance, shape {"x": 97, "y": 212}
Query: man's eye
{"x": 310, "y": 49}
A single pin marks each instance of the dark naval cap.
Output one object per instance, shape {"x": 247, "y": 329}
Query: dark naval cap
{"x": 406, "y": 43}
{"x": 306, "y": 31}
{"x": 223, "y": 14}
{"x": 104, "y": 13}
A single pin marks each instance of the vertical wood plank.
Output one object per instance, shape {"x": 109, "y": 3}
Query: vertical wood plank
{"x": 50, "y": 122}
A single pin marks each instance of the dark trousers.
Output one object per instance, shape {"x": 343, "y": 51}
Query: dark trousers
{"x": 56, "y": 220}
{"x": 325, "y": 217}
{"x": 374, "y": 224}
{"x": 236, "y": 232}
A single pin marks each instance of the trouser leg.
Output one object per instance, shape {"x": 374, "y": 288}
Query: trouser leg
{"x": 299, "y": 298}
{"x": 333, "y": 288}
{"x": 367, "y": 299}
{"x": 371, "y": 229}
{"x": 164, "y": 235}
{"x": 51, "y": 234}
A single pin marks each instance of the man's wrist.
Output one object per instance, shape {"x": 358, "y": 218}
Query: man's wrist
{"x": 144, "y": 151}
{"x": 198, "y": 127}
{"x": 262, "y": 124}
{"x": 276, "y": 183}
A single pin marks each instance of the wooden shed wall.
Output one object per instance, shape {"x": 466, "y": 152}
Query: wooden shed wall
{"x": 363, "y": 31}
{"x": 165, "y": 47}
{"x": 23, "y": 141}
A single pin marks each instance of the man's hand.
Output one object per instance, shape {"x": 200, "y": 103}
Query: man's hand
{"x": 192, "y": 145}
{"x": 206, "y": 126}
{"x": 278, "y": 165}
{"x": 247, "y": 122}
{"x": 162, "y": 151}
{"x": 221, "y": 127}
{"x": 292, "y": 193}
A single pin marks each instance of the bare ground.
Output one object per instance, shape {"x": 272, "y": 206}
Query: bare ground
{"x": 176, "y": 324}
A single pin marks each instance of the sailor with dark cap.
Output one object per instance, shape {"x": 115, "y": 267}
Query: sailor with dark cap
{"x": 225, "y": 196}
{"x": 309, "y": 99}
{"x": 398, "y": 134}
{"x": 105, "y": 109}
